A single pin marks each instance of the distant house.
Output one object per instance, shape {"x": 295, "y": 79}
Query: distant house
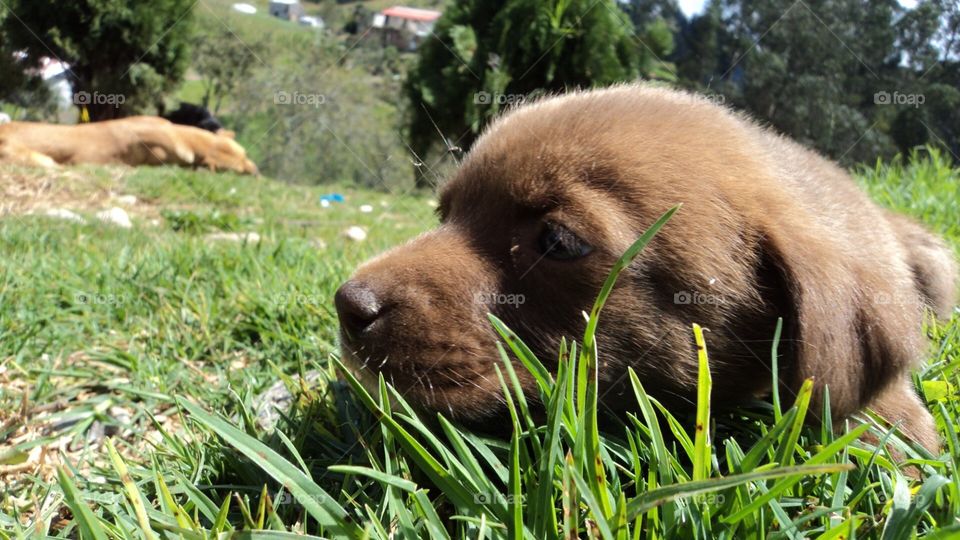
{"x": 405, "y": 27}
{"x": 288, "y": 10}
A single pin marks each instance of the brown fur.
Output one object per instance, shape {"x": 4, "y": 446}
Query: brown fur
{"x": 138, "y": 140}
{"x": 768, "y": 229}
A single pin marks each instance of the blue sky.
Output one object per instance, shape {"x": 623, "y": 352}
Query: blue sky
{"x": 691, "y": 7}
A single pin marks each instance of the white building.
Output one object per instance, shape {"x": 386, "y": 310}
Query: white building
{"x": 288, "y": 10}
{"x": 405, "y": 27}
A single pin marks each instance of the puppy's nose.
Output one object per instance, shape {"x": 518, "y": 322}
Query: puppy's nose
{"x": 357, "y": 306}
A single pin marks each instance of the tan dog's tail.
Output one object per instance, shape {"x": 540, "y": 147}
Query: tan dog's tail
{"x": 932, "y": 262}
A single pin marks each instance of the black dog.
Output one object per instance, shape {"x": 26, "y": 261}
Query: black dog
{"x": 190, "y": 114}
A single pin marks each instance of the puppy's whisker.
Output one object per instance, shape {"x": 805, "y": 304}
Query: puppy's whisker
{"x": 456, "y": 382}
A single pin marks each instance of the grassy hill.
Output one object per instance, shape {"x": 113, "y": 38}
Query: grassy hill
{"x": 105, "y": 328}
{"x": 335, "y": 14}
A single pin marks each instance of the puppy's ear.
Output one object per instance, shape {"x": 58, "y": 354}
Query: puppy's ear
{"x": 842, "y": 327}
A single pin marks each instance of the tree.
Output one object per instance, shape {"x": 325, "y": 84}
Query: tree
{"x": 122, "y": 53}
{"x": 486, "y": 55}
{"x": 311, "y": 116}
{"x": 855, "y": 80}
{"x": 17, "y": 87}
{"x": 224, "y": 61}
{"x": 810, "y": 69}
{"x": 929, "y": 36}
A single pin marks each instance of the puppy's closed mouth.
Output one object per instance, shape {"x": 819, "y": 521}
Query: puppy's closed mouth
{"x": 427, "y": 364}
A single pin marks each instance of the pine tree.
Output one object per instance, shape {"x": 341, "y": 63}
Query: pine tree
{"x": 122, "y": 54}
{"x": 489, "y": 54}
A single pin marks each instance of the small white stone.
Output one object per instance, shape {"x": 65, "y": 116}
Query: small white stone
{"x": 63, "y": 213}
{"x": 324, "y": 203}
{"x": 115, "y": 216}
{"x": 356, "y": 234}
{"x": 366, "y": 208}
{"x": 126, "y": 200}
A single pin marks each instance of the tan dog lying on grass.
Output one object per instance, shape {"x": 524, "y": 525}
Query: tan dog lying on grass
{"x": 138, "y": 140}
{"x": 553, "y": 193}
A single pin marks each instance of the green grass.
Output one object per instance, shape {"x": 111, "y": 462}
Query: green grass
{"x": 133, "y": 363}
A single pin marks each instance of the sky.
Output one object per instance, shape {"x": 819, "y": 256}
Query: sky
{"x": 692, "y": 7}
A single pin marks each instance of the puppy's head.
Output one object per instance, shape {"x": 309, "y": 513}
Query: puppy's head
{"x": 530, "y": 226}
{"x": 540, "y": 210}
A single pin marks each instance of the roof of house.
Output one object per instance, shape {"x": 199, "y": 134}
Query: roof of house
{"x": 413, "y": 14}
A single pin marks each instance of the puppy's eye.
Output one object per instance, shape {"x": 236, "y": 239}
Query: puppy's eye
{"x": 559, "y": 242}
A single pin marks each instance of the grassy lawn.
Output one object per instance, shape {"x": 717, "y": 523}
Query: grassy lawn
{"x": 140, "y": 370}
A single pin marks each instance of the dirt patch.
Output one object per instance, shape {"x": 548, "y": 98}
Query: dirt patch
{"x": 35, "y": 191}
{"x": 71, "y": 431}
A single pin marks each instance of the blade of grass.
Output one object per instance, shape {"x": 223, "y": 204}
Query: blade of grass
{"x": 88, "y": 523}
{"x": 130, "y": 489}
{"x": 317, "y": 502}
{"x": 825, "y": 454}
{"x": 701, "y": 441}
{"x": 657, "y": 497}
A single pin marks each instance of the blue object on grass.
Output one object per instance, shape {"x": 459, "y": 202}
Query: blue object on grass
{"x": 332, "y": 197}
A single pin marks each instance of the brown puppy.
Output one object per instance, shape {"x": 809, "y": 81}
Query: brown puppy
{"x": 138, "y": 140}
{"x": 553, "y": 193}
